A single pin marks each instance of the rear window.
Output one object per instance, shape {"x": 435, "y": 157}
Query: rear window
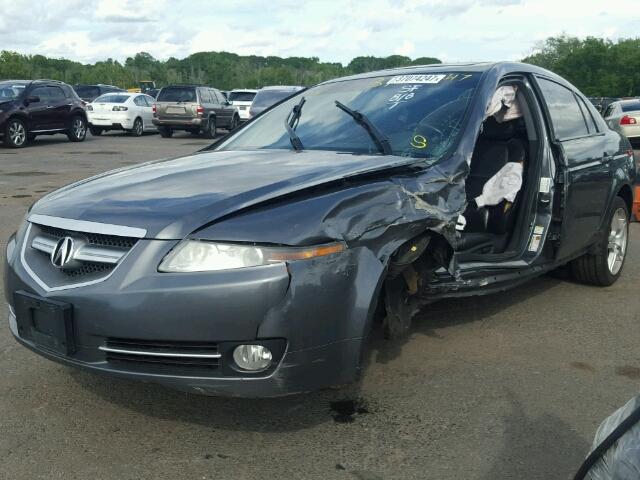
{"x": 177, "y": 94}
{"x": 266, "y": 98}
{"x": 87, "y": 91}
{"x": 241, "y": 96}
{"x": 111, "y": 98}
{"x": 631, "y": 107}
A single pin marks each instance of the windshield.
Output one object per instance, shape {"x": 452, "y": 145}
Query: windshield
{"x": 86, "y": 91}
{"x": 420, "y": 116}
{"x": 631, "y": 107}
{"x": 10, "y": 91}
{"x": 177, "y": 94}
{"x": 266, "y": 98}
{"x": 111, "y": 98}
{"x": 241, "y": 96}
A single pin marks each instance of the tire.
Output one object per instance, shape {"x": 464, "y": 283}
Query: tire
{"x": 15, "y": 133}
{"x": 210, "y": 130}
{"x": 95, "y": 131}
{"x": 235, "y": 121}
{"x": 138, "y": 128}
{"x": 605, "y": 266}
{"x": 78, "y": 130}
{"x": 165, "y": 132}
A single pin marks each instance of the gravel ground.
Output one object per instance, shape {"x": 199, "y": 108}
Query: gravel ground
{"x": 509, "y": 386}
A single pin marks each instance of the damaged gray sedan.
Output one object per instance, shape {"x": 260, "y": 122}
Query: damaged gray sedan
{"x": 258, "y": 266}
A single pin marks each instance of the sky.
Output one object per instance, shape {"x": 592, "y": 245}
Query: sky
{"x": 333, "y": 30}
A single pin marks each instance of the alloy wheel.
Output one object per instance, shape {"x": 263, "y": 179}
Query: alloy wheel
{"x": 17, "y": 133}
{"x": 617, "y": 242}
{"x": 79, "y": 128}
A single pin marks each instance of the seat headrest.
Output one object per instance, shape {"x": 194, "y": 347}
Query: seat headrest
{"x": 492, "y": 130}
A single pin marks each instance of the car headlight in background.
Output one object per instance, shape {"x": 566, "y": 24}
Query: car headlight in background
{"x": 204, "y": 256}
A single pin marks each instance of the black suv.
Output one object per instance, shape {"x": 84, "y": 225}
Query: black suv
{"x": 39, "y": 107}
{"x": 196, "y": 109}
{"x": 89, "y": 93}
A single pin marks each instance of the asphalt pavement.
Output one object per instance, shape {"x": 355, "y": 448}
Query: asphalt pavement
{"x": 508, "y": 386}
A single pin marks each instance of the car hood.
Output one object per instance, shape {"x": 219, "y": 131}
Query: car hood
{"x": 172, "y": 198}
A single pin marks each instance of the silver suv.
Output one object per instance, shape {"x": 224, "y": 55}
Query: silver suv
{"x": 196, "y": 109}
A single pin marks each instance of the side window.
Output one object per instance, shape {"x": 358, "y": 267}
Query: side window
{"x": 139, "y": 101}
{"x": 42, "y": 92}
{"x": 591, "y": 123}
{"x": 566, "y": 115}
{"x": 148, "y": 100}
{"x": 67, "y": 91}
{"x": 609, "y": 111}
{"x": 56, "y": 95}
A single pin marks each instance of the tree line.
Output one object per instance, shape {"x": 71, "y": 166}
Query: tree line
{"x": 597, "y": 66}
{"x": 220, "y": 69}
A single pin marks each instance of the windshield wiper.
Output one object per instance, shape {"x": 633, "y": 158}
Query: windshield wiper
{"x": 291, "y": 122}
{"x": 376, "y": 135}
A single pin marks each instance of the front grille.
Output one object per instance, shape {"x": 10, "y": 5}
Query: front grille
{"x": 93, "y": 238}
{"x": 95, "y": 255}
{"x": 163, "y": 357}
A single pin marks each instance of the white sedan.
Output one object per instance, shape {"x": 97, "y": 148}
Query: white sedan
{"x": 131, "y": 112}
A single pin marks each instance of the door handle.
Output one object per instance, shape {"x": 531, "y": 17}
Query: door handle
{"x": 49, "y": 107}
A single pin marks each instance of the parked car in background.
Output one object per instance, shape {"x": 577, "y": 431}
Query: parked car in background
{"x": 601, "y": 103}
{"x": 131, "y": 112}
{"x": 624, "y": 116}
{"x": 256, "y": 268}
{"x": 194, "y": 108}
{"x": 242, "y": 99}
{"x": 152, "y": 92}
{"x": 29, "y": 108}
{"x": 89, "y": 93}
{"x": 268, "y": 96}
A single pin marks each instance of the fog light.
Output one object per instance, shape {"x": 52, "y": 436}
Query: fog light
{"x": 252, "y": 357}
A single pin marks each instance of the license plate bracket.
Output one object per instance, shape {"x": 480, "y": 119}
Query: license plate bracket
{"x": 47, "y": 323}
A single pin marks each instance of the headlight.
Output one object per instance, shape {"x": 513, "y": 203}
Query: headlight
{"x": 203, "y": 256}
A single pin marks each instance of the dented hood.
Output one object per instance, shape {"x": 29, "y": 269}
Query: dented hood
{"x": 172, "y": 198}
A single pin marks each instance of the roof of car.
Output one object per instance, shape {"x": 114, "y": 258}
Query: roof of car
{"x": 472, "y": 67}
{"x": 282, "y": 87}
{"x": 246, "y": 90}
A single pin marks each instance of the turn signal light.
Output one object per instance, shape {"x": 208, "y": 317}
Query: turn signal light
{"x": 154, "y": 109}
{"x": 627, "y": 120}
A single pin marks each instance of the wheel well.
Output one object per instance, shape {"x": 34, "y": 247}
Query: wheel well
{"x": 627, "y": 195}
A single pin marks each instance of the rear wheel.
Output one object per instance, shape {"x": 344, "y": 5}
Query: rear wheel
{"x": 15, "y": 133}
{"x": 605, "y": 266}
{"x": 95, "y": 131}
{"x": 165, "y": 132}
{"x": 234, "y": 123}
{"x": 138, "y": 128}
{"x": 78, "y": 130}
{"x": 210, "y": 130}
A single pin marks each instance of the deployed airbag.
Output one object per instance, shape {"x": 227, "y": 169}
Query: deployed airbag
{"x": 504, "y": 185}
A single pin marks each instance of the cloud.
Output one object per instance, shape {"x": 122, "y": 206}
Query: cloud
{"x": 333, "y": 30}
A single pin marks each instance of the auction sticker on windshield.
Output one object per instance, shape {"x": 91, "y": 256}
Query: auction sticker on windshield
{"x": 401, "y": 79}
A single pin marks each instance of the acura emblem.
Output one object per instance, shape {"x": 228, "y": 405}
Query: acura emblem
{"x": 63, "y": 252}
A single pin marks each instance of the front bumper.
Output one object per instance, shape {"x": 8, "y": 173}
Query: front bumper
{"x": 324, "y": 325}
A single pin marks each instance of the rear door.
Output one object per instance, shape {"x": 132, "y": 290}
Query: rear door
{"x": 60, "y": 107}
{"x": 584, "y": 174}
{"x": 223, "y": 111}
